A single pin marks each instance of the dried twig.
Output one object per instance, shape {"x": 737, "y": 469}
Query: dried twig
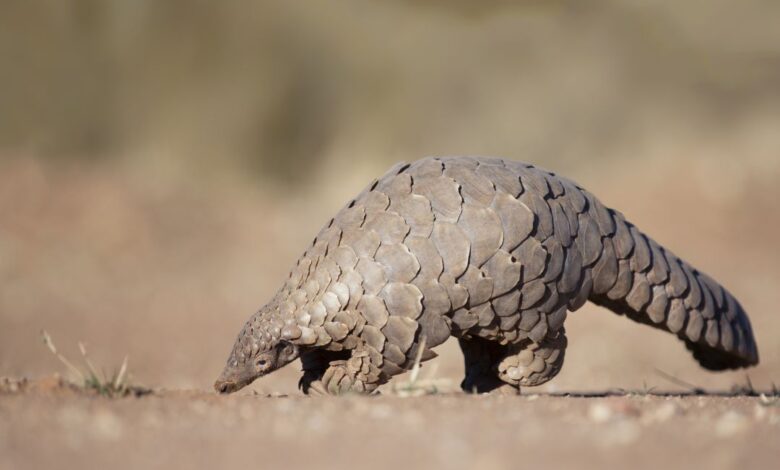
{"x": 418, "y": 358}
{"x": 679, "y": 382}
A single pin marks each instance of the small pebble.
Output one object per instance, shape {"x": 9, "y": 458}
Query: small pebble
{"x": 759, "y": 412}
{"x": 599, "y": 413}
{"x": 730, "y": 423}
{"x": 661, "y": 414}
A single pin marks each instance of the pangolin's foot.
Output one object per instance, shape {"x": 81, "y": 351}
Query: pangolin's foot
{"x": 315, "y": 389}
{"x": 310, "y": 380}
{"x": 505, "y": 390}
{"x": 532, "y": 364}
{"x": 487, "y": 384}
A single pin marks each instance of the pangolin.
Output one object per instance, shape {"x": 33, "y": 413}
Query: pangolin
{"x": 494, "y": 252}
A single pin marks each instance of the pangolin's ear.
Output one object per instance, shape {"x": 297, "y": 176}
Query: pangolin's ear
{"x": 286, "y": 350}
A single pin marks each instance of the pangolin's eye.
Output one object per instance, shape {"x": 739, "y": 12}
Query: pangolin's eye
{"x": 261, "y": 362}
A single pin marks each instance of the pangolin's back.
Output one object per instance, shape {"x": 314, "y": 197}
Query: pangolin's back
{"x": 500, "y": 250}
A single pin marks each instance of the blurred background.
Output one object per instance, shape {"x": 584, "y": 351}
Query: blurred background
{"x": 163, "y": 164}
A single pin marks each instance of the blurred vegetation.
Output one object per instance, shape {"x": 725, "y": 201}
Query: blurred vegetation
{"x": 276, "y": 87}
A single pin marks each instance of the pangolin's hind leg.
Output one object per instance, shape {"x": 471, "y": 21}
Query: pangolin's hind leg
{"x": 492, "y": 367}
{"x": 360, "y": 372}
{"x": 481, "y": 358}
{"x": 529, "y": 364}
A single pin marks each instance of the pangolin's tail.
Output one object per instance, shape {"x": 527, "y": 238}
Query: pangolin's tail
{"x": 637, "y": 277}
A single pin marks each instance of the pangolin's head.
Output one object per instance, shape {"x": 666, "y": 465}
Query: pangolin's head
{"x": 259, "y": 350}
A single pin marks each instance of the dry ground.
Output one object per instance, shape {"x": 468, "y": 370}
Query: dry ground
{"x": 167, "y": 273}
{"x": 52, "y": 427}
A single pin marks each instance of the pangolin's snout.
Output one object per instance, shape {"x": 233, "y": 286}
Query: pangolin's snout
{"x": 232, "y": 381}
{"x": 225, "y": 386}
{"x": 221, "y": 387}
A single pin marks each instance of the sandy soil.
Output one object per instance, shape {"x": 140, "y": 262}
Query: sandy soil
{"x": 52, "y": 427}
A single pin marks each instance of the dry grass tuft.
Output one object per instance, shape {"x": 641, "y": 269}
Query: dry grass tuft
{"x": 87, "y": 377}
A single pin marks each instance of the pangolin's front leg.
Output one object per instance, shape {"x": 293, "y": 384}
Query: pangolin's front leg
{"x": 314, "y": 364}
{"x": 360, "y": 373}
